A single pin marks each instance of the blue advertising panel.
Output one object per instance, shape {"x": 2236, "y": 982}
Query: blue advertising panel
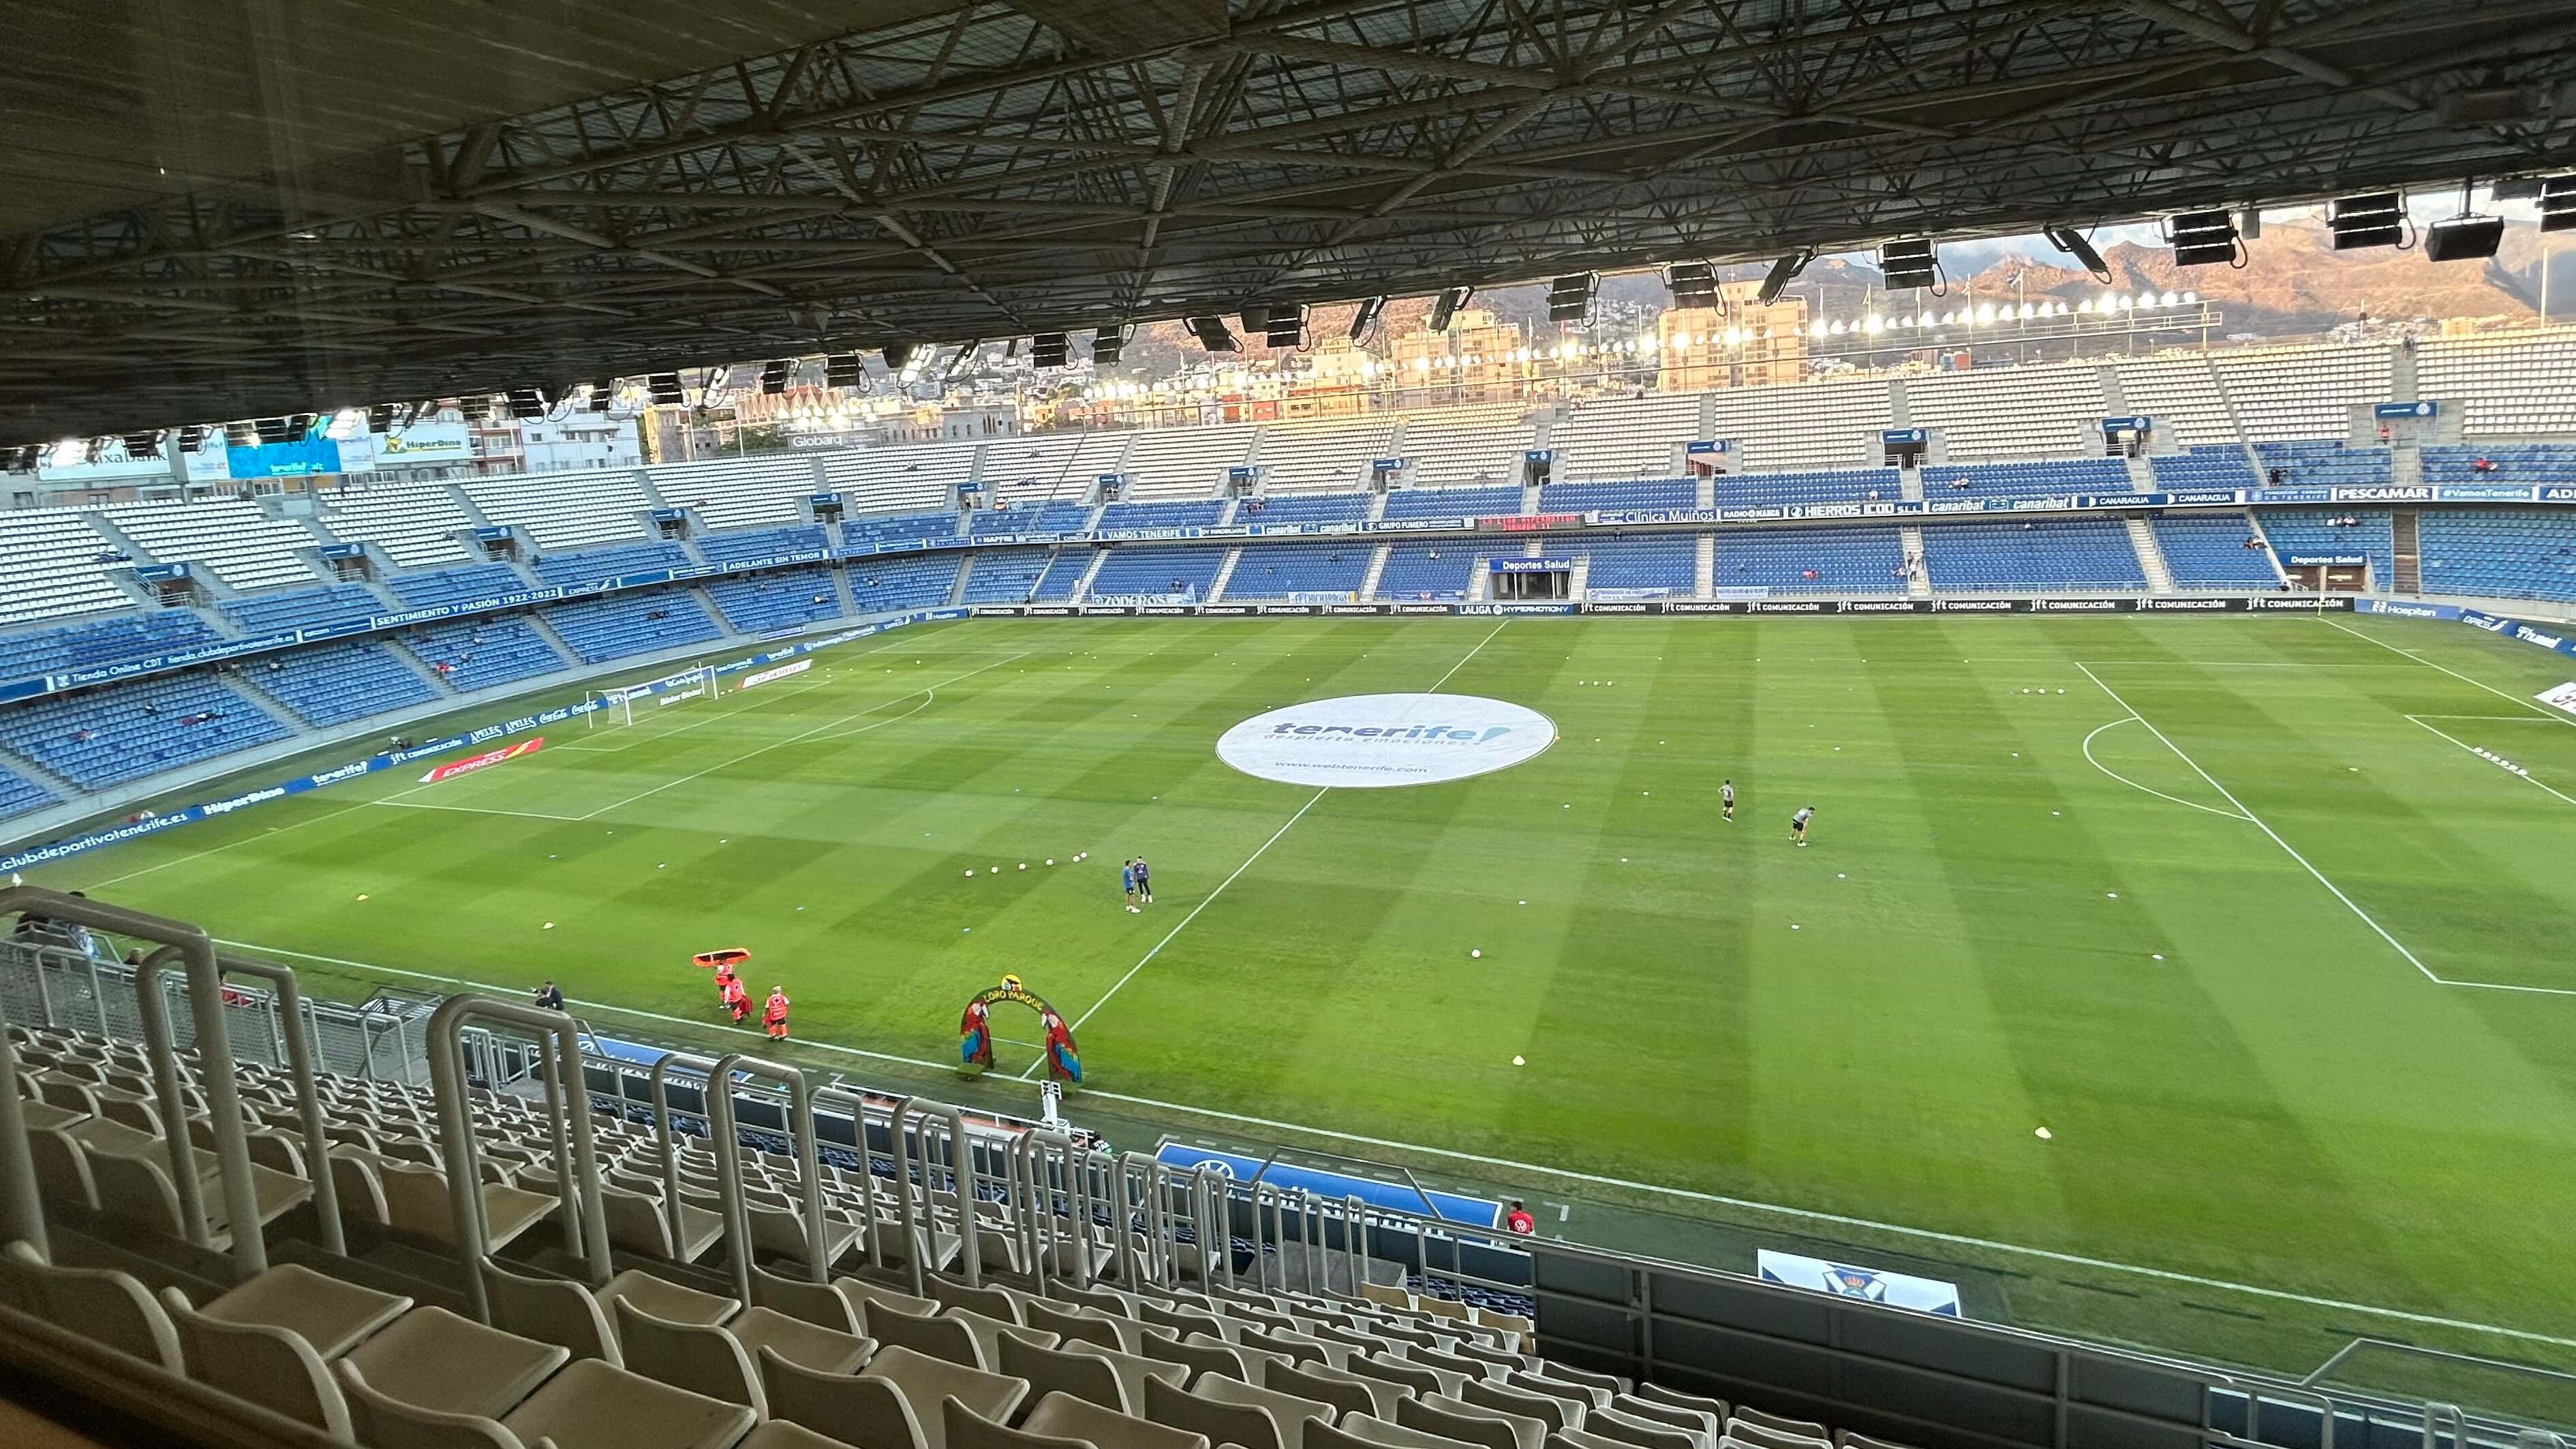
{"x": 1391, "y": 1196}
{"x": 2404, "y": 409}
{"x": 310, "y": 454}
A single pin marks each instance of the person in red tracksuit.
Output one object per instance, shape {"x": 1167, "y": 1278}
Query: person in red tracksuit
{"x": 737, "y": 1000}
{"x": 774, "y": 1015}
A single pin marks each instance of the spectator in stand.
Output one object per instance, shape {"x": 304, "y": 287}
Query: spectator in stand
{"x": 2483, "y": 465}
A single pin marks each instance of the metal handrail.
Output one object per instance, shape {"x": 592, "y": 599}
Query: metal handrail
{"x": 457, "y": 1146}
{"x": 728, "y": 1146}
{"x": 308, "y": 1097}
{"x": 22, "y": 1212}
{"x": 196, "y": 951}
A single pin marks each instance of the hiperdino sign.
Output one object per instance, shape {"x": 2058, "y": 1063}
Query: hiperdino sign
{"x": 1371, "y": 741}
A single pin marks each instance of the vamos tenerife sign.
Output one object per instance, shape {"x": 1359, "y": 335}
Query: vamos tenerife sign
{"x": 1373, "y": 741}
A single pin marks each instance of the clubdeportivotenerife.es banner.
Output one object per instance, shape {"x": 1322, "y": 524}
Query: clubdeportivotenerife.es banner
{"x": 359, "y": 769}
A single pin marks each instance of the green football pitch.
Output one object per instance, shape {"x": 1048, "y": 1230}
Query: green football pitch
{"x": 2269, "y": 922}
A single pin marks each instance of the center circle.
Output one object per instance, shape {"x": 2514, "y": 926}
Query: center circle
{"x": 1373, "y": 741}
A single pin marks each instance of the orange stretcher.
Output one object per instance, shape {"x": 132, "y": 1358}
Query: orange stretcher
{"x": 732, "y": 956}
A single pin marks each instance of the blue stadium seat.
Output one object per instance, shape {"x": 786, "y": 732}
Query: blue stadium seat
{"x": 479, "y": 653}
{"x": 618, "y": 626}
{"x": 1055, "y": 517}
{"x": 1277, "y": 570}
{"x": 590, "y": 565}
{"x": 2046, "y": 553}
{"x": 19, "y": 795}
{"x": 1154, "y": 570}
{"x": 2314, "y": 531}
{"x": 1056, "y": 586}
{"x": 1452, "y": 502}
{"x": 903, "y": 581}
{"x": 1841, "y": 560}
{"x": 2309, "y": 464}
{"x": 126, "y": 731}
{"x": 304, "y": 608}
{"x": 2498, "y": 553}
{"x": 108, "y": 641}
{"x": 2028, "y": 480}
{"x": 1639, "y": 493}
{"x": 1665, "y": 561}
{"x": 456, "y": 586}
{"x": 1005, "y": 575}
{"x": 2211, "y": 465}
{"x": 2512, "y": 463}
{"x": 2207, "y": 551}
{"x": 1432, "y": 571}
{"x": 1185, "y": 513}
{"x": 1824, "y": 485}
{"x": 1304, "y": 508}
{"x": 876, "y": 531}
{"x": 769, "y": 602}
{"x": 329, "y": 684}
{"x": 725, "y": 548}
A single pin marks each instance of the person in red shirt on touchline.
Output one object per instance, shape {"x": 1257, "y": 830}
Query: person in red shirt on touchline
{"x": 1519, "y": 1220}
{"x": 736, "y": 1000}
{"x": 774, "y": 1015}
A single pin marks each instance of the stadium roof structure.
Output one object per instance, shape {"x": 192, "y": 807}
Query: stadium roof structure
{"x": 232, "y": 208}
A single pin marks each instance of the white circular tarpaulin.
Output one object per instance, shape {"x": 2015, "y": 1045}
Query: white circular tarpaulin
{"x": 1372, "y": 741}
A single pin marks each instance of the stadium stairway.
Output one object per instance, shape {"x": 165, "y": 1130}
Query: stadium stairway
{"x": 1224, "y": 574}
{"x": 2150, "y": 557}
{"x": 1090, "y": 571}
{"x": 1918, "y": 584}
{"x": 1376, "y": 567}
{"x": 1704, "y": 557}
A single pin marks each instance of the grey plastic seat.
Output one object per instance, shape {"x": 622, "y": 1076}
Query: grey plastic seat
{"x": 1289, "y": 1413}
{"x": 1420, "y": 1378}
{"x": 1220, "y": 1422}
{"x": 942, "y": 1337}
{"x": 991, "y": 1302}
{"x": 850, "y": 1407}
{"x": 62, "y": 1169}
{"x": 590, "y": 1405}
{"x": 1703, "y": 1428}
{"x": 1207, "y": 1354}
{"x": 965, "y": 1429}
{"x": 551, "y": 1310}
{"x": 330, "y": 1314}
{"x": 1801, "y": 1428}
{"x": 100, "y": 1304}
{"x": 925, "y": 1382}
{"x": 810, "y": 1345}
{"x": 989, "y": 1333}
{"x": 416, "y": 1200}
{"x": 1463, "y": 1419}
{"x": 826, "y": 1305}
{"x": 1048, "y": 1371}
{"x": 432, "y": 1359}
{"x": 1552, "y": 1411}
{"x": 1064, "y": 1416}
{"x": 1564, "y": 1388}
{"x": 664, "y": 1299}
{"x": 1714, "y": 1408}
{"x": 641, "y": 1224}
{"x": 1387, "y": 1434}
{"x": 1347, "y": 1393}
{"x": 272, "y": 1367}
{"x": 1644, "y": 1433}
{"x": 876, "y": 1296}
{"x": 1133, "y": 1370}
{"x": 699, "y": 1357}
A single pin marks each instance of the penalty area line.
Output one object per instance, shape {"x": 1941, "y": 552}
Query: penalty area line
{"x": 2455, "y": 674}
{"x": 1807, "y": 1215}
{"x": 2292, "y": 851}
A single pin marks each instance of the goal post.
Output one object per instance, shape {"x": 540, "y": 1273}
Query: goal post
{"x": 695, "y": 683}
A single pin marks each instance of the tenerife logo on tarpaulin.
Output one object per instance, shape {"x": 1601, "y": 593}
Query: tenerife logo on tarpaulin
{"x": 1873, "y": 1285}
{"x": 484, "y": 761}
{"x": 1371, "y": 741}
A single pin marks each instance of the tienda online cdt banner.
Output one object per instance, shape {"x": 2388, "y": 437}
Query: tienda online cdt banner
{"x": 484, "y": 761}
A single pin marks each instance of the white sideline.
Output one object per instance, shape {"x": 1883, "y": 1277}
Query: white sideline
{"x": 2536, "y": 711}
{"x": 2418, "y": 720}
{"x": 799, "y": 738}
{"x": 1272, "y": 1124}
{"x": 2292, "y": 851}
{"x": 1210, "y": 900}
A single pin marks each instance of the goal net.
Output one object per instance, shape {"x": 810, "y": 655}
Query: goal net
{"x": 624, "y": 704}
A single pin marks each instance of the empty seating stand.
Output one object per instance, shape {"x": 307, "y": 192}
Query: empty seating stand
{"x": 415, "y": 524}
{"x": 2208, "y": 551}
{"x": 564, "y": 511}
{"x": 867, "y": 533}
{"x": 589, "y": 566}
{"x": 2506, "y": 386}
{"x": 304, "y": 608}
{"x": 1051, "y": 517}
{"x": 1328, "y": 456}
{"x": 1304, "y": 508}
{"x": 1639, "y": 493}
{"x": 1063, "y": 575}
{"x": 916, "y": 479}
{"x": 903, "y": 581}
{"x": 1428, "y": 571}
{"x": 19, "y": 795}
{"x": 2047, "y": 553}
{"x": 1453, "y": 502}
{"x": 771, "y": 602}
{"x": 2309, "y": 463}
{"x": 123, "y": 732}
{"x": 1827, "y": 485}
{"x": 1185, "y": 462}
{"x": 1193, "y": 513}
{"x": 1153, "y": 570}
{"x": 446, "y": 587}
{"x": 760, "y": 543}
{"x": 2498, "y": 553}
{"x": 1664, "y": 563}
{"x": 2211, "y": 465}
{"x": 2027, "y": 480}
{"x": 107, "y": 641}
{"x": 1324, "y": 567}
{"x": 2524, "y": 463}
{"x": 227, "y": 537}
{"x": 1614, "y": 438}
{"x": 738, "y": 492}
{"x": 329, "y": 684}
{"x": 480, "y": 653}
{"x": 2320, "y": 531}
{"x": 53, "y": 564}
{"x": 620, "y": 626}
{"x": 1005, "y": 575}
{"x": 1810, "y": 560}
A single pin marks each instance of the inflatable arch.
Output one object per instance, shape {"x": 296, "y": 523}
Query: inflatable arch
{"x": 975, "y": 1033}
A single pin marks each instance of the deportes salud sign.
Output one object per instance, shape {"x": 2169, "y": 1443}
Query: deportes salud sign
{"x": 1374, "y": 741}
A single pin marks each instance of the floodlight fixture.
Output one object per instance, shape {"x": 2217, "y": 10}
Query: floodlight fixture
{"x": 2066, "y": 239}
{"x": 1783, "y": 272}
